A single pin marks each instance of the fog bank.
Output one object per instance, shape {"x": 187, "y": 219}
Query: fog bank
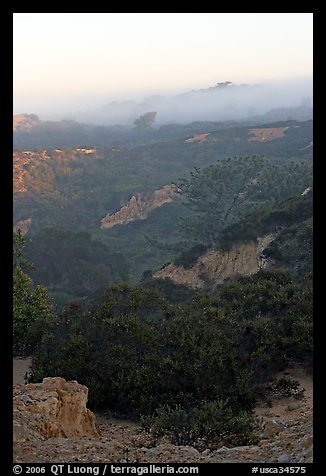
{"x": 220, "y": 102}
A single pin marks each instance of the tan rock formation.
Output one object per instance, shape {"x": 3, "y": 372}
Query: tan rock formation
{"x": 139, "y": 207}
{"x": 216, "y": 266}
{"x": 53, "y": 408}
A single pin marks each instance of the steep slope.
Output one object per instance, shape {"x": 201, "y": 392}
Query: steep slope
{"x": 217, "y": 266}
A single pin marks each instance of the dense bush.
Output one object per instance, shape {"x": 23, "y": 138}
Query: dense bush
{"x": 171, "y": 291}
{"x": 273, "y": 304}
{"x": 74, "y": 263}
{"x": 189, "y": 257}
{"x": 202, "y": 425}
{"x": 32, "y": 306}
{"x": 141, "y": 355}
{"x": 293, "y": 248}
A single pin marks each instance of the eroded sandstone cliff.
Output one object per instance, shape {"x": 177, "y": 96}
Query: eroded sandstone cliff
{"x": 139, "y": 207}
{"x": 216, "y": 266}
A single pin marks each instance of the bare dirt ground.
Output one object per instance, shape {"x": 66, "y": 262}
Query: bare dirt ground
{"x": 264, "y": 134}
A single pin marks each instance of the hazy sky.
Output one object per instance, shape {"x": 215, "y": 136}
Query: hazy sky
{"x": 60, "y": 58}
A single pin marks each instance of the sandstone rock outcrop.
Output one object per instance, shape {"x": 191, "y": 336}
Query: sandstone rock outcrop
{"x": 216, "y": 266}
{"x": 139, "y": 207}
{"x": 53, "y": 408}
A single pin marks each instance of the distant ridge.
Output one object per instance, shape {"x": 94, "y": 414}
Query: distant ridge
{"x": 25, "y": 122}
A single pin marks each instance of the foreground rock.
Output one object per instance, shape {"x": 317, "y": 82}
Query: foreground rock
{"x": 54, "y": 408}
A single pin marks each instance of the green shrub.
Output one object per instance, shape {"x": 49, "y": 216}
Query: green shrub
{"x": 202, "y": 425}
{"x": 32, "y": 305}
{"x": 269, "y": 219}
{"x": 139, "y": 354}
{"x": 146, "y": 353}
{"x": 293, "y": 248}
{"x": 283, "y": 387}
{"x": 188, "y": 258}
{"x": 171, "y": 291}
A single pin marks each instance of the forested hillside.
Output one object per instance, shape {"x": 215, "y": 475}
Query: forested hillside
{"x": 62, "y": 195}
